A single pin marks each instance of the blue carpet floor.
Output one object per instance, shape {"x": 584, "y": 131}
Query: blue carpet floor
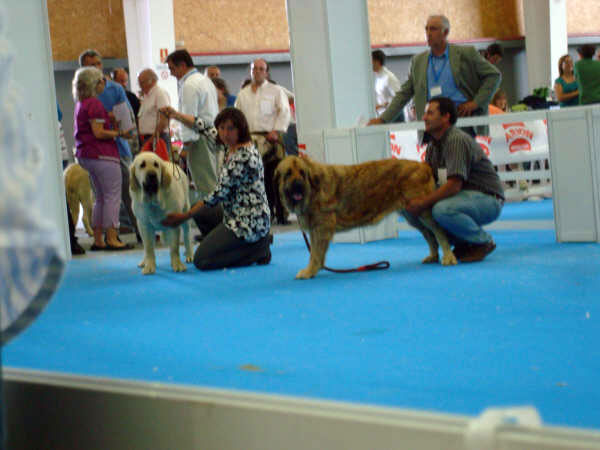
{"x": 520, "y": 328}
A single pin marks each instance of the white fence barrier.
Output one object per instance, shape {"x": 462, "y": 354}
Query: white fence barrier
{"x": 518, "y": 148}
{"x": 573, "y": 141}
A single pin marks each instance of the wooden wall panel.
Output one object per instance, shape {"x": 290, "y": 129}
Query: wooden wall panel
{"x": 582, "y": 16}
{"x": 231, "y": 25}
{"x": 401, "y": 22}
{"x": 76, "y": 25}
{"x": 228, "y": 26}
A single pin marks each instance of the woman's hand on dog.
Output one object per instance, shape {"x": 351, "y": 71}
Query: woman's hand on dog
{"x": 174, "y": 219}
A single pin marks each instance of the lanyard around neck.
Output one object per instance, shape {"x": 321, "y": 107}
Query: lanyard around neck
{"x": 437, "y": 74}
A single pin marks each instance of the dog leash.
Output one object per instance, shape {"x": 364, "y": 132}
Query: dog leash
{"x": 381, "y": 265}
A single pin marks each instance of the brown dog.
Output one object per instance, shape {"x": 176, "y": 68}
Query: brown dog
{"x": 329, "y": 198}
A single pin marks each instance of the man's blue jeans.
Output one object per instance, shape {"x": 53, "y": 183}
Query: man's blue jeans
{"x": 462, "y": 216}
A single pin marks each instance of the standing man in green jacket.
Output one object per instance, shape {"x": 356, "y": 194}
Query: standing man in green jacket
{"x": 457, "y": 72}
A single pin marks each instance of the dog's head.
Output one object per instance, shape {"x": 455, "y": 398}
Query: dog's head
{"x": 296, "y": 180}
{"x": 149, "y": 173}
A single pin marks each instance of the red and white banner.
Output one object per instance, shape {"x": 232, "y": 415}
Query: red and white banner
{"x": 507, "y": 143}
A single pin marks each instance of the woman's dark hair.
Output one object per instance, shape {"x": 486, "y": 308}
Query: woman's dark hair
{"x": 587, "y": 51}
{"x": 181, "y": 56}
{"x": 220, "y": 84}
{"x": 446, "y": 106}
{"x": 238, "y": 120}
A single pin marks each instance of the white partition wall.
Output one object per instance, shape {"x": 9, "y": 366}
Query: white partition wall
{"x": 572, "y": 134}
{"x": 28, "y": 32}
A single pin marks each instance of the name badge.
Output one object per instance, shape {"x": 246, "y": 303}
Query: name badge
{"x": 435, "y": 91}
{"x": 442, "y": 176}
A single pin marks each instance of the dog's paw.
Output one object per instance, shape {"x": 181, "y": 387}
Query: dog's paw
{"x": 430, "y": 259}
{"x": 189, "y": 259}
{"x": 449, "y": 260}
{"x": 149, "y": 267}
{"x": 142, "y": 263}
{"x": 178, "y": 266}
{"x": 304, "y": 274}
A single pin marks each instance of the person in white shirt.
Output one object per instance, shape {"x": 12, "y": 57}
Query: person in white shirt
{"x": 386, "y": 83}
{"x": 151, "y": 123}
{"x": 267, "y": 110}
{"x": 198, "y": 98}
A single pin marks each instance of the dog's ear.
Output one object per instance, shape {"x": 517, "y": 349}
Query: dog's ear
{"x": 165, "y": 175}
{"x": 313, "y": 174}
{"x": 134, "y": 185}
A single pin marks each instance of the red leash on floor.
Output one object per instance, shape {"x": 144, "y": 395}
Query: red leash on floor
{"x": 381, "y": 265}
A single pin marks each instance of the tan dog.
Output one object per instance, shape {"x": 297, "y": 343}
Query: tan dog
{"x": 158, "y": 188}
{"x": 79, "y": 190}
{"x": 329, "y": 198}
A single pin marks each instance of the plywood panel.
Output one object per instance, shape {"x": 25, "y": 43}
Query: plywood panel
{"x": 228, "y": 26}
{"x": 582, "y": 16}
{"x": 395, "y": 22}
{"x": 231, "y": 25}
{"x": 76, "y": 25}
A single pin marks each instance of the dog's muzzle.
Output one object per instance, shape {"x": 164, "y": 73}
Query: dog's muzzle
{"x": 295, "y": 193}
{"x": 150, "y": 184}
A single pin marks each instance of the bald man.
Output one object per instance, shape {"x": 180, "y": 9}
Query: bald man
{"x": 212, "y": 72}
{"x": 154, "y": 97}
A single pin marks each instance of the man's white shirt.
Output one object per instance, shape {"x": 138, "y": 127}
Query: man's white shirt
{"x": 156, "y": 98}
{"x": 198, "y": 98}
{"x": 386, "y": 86}
{"x": 266, "y": 109}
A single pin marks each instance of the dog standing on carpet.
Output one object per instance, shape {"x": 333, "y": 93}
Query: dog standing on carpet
{"x": 157, "y": 188}
{"x": 328, "y": 198}
{"x": 78, "y": 188}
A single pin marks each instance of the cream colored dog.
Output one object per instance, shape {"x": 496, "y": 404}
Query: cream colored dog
{"x": 329, "y": 198}
{"x": 158, "y": 188}
{"x": 79, "y": 191}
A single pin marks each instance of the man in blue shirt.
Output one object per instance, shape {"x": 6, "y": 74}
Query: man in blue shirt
{"x": 454, "y": 71}
{"x": 113, "y": 98}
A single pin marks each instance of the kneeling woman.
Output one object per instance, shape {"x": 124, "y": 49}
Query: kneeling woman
{"x": 235, "y": 218}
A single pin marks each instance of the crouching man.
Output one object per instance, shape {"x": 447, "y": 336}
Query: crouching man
{"x": 469, "y": 192}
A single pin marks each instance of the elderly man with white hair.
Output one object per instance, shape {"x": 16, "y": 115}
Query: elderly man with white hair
{"x": 151, "y": 123}
{"x": 454, "y": 71}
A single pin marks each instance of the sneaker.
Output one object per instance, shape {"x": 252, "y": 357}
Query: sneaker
{"x": 477, "y": 252}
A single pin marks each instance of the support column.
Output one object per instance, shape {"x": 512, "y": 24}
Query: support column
{"x": 330, "y": 50}
{"x": 332, "y": 73}
{"x": 545, "y": 39}
{"x": 150, "y": 27}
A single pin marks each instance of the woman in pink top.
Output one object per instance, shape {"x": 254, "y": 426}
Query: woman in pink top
{"x": 97, "y": 153}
